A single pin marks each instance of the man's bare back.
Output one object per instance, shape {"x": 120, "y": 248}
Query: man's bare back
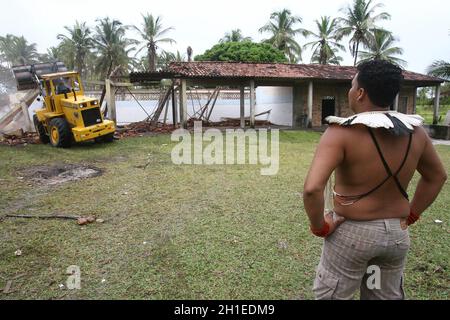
{"x": 362, "y": 169}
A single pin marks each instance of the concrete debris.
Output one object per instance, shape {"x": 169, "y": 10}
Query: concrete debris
{"x": 19, "y": 138}
{"x": 136, "y": 129}
{"x": 15, "y": 133}
{"x": 139, "y": 128}
{"x": 85, "y": 220}
{"x": 226, "y": 122}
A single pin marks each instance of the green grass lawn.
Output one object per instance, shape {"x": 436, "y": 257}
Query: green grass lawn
{"x": 427, "y": 113}
{"x": 181, "y": 232}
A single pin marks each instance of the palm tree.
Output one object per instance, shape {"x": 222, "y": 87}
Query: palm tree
{"x": 440, "y": 68}
{"x": 53, "y": 54}
{"x": 234, "y": 36}
{"x": 189, "y": 52}
{"x": 111, "y": 45}
{"x": 381, "y": 47}
{"x": 17, "y": 50}
{"x": 6, "y": 45}
{"x": 360, "y": 19}
{"x": 66, "y": 53}
{"x": 152, "y": 32}
{"x": 332, "y": 59}
{"x": 326, "y": 46}
{"x": 283, "y": 32}
{"x": 166, "y": 58}
{"x": 80, "y": 41}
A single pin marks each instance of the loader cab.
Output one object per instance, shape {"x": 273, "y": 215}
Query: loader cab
{"x": 62, "y": 86}
{"x": 47, "y": 90}
{"x": 66, "y": 85}
{"x": 58, "y": 86}
{"x": 62, "y": 83}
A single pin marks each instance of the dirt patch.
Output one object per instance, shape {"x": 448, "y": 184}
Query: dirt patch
{"x": 57, "y": 174}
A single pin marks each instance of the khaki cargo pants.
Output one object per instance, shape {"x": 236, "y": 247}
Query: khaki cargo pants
{"x": 352, "y": 249}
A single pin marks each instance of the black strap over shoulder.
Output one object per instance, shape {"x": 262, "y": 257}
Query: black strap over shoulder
{"x": 388, "y": 169}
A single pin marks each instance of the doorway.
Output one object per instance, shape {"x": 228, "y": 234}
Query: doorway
{"x": 328, "y": 108}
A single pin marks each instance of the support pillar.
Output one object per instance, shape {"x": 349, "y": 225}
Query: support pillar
{"x": 111, "y": 100}
{"x": 242, "y": 95}
{"x": 252, "y": 103}
{"x": 26, "y": 114}
{"x": 174, "y": 108}
{"x": 310, "y": 103}
{"x": 396, "y": 102}
{"x": 437, "y": 97}
{"x": 183, "y": 104}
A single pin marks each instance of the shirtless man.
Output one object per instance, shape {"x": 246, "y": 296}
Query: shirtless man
{"x": 371, "y": 207}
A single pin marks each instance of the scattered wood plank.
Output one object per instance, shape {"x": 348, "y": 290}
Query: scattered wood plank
{"x": 213, "y": 104}
{"x": 27, "y": 216}
{"x": 18, "y": 276}
{"x": 161, "y": 105}
{"x": 7, "y": 287}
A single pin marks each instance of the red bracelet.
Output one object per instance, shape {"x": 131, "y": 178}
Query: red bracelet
{"x": 322, "y": 232}
{"x": 412, "y": 218}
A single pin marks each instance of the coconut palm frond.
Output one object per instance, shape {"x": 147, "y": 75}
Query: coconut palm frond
{"x": 282, "y": 27}
{"x": 359, "y": 19}
{"x": 152, "y": 33}
{"x": 439, "y": 68}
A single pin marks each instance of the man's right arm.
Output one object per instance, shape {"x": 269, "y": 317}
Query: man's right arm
{"x": 433, "y": 177}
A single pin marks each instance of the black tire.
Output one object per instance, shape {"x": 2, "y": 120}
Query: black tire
{"x": 40, "y": 130}
{"x": 60, "y": 133}
{"x": 108, "y": 138}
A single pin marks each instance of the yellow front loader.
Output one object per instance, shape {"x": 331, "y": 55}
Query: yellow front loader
{"x": 67, "y": 115}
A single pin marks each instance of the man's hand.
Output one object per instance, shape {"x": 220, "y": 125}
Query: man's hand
{"x": 404, "y": 223}
{"x": 333, "y": 221}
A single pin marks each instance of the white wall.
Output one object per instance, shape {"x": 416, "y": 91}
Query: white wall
{"x": 277, "y": 99}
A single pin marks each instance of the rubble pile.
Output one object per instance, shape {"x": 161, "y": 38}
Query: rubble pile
{"x": 141, "y": 128}
{"x": 227, "y": 122}
{"x": 136, "y": 129}
{"x": 19, "y": 137}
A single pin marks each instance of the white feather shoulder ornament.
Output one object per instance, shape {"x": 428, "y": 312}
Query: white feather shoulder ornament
{"x": 395, "y": 122}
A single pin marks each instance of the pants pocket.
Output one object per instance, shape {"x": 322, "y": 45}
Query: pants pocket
{"x": 325, "y": 285}
{"x": 403, "y": 241}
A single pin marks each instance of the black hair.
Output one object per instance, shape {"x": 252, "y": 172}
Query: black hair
{"x": 381, "y": 80}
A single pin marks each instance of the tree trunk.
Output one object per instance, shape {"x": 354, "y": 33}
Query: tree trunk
{"x": 80, "y": 66}
{"x": 323, "y": 58}
{"x": 356, "y": 53}
{"x": 152, "y": 57}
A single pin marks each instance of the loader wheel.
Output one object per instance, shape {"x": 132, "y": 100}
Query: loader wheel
{"x": 60, "y": 133}
{"x": 40, "y": 130}
{"x": 106, "y": 138}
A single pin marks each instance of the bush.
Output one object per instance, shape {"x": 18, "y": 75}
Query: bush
{"x": 246, "y": 51}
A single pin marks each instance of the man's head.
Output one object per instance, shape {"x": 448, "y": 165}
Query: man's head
{"x": 375, "y": 86}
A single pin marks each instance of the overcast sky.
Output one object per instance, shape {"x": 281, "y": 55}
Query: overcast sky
{"x": 422, "y": 27}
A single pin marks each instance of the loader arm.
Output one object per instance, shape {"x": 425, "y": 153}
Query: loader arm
{"x": 29, "y": 76}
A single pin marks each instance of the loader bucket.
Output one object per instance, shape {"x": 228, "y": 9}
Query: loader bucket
{"x": 25, "y": 75}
